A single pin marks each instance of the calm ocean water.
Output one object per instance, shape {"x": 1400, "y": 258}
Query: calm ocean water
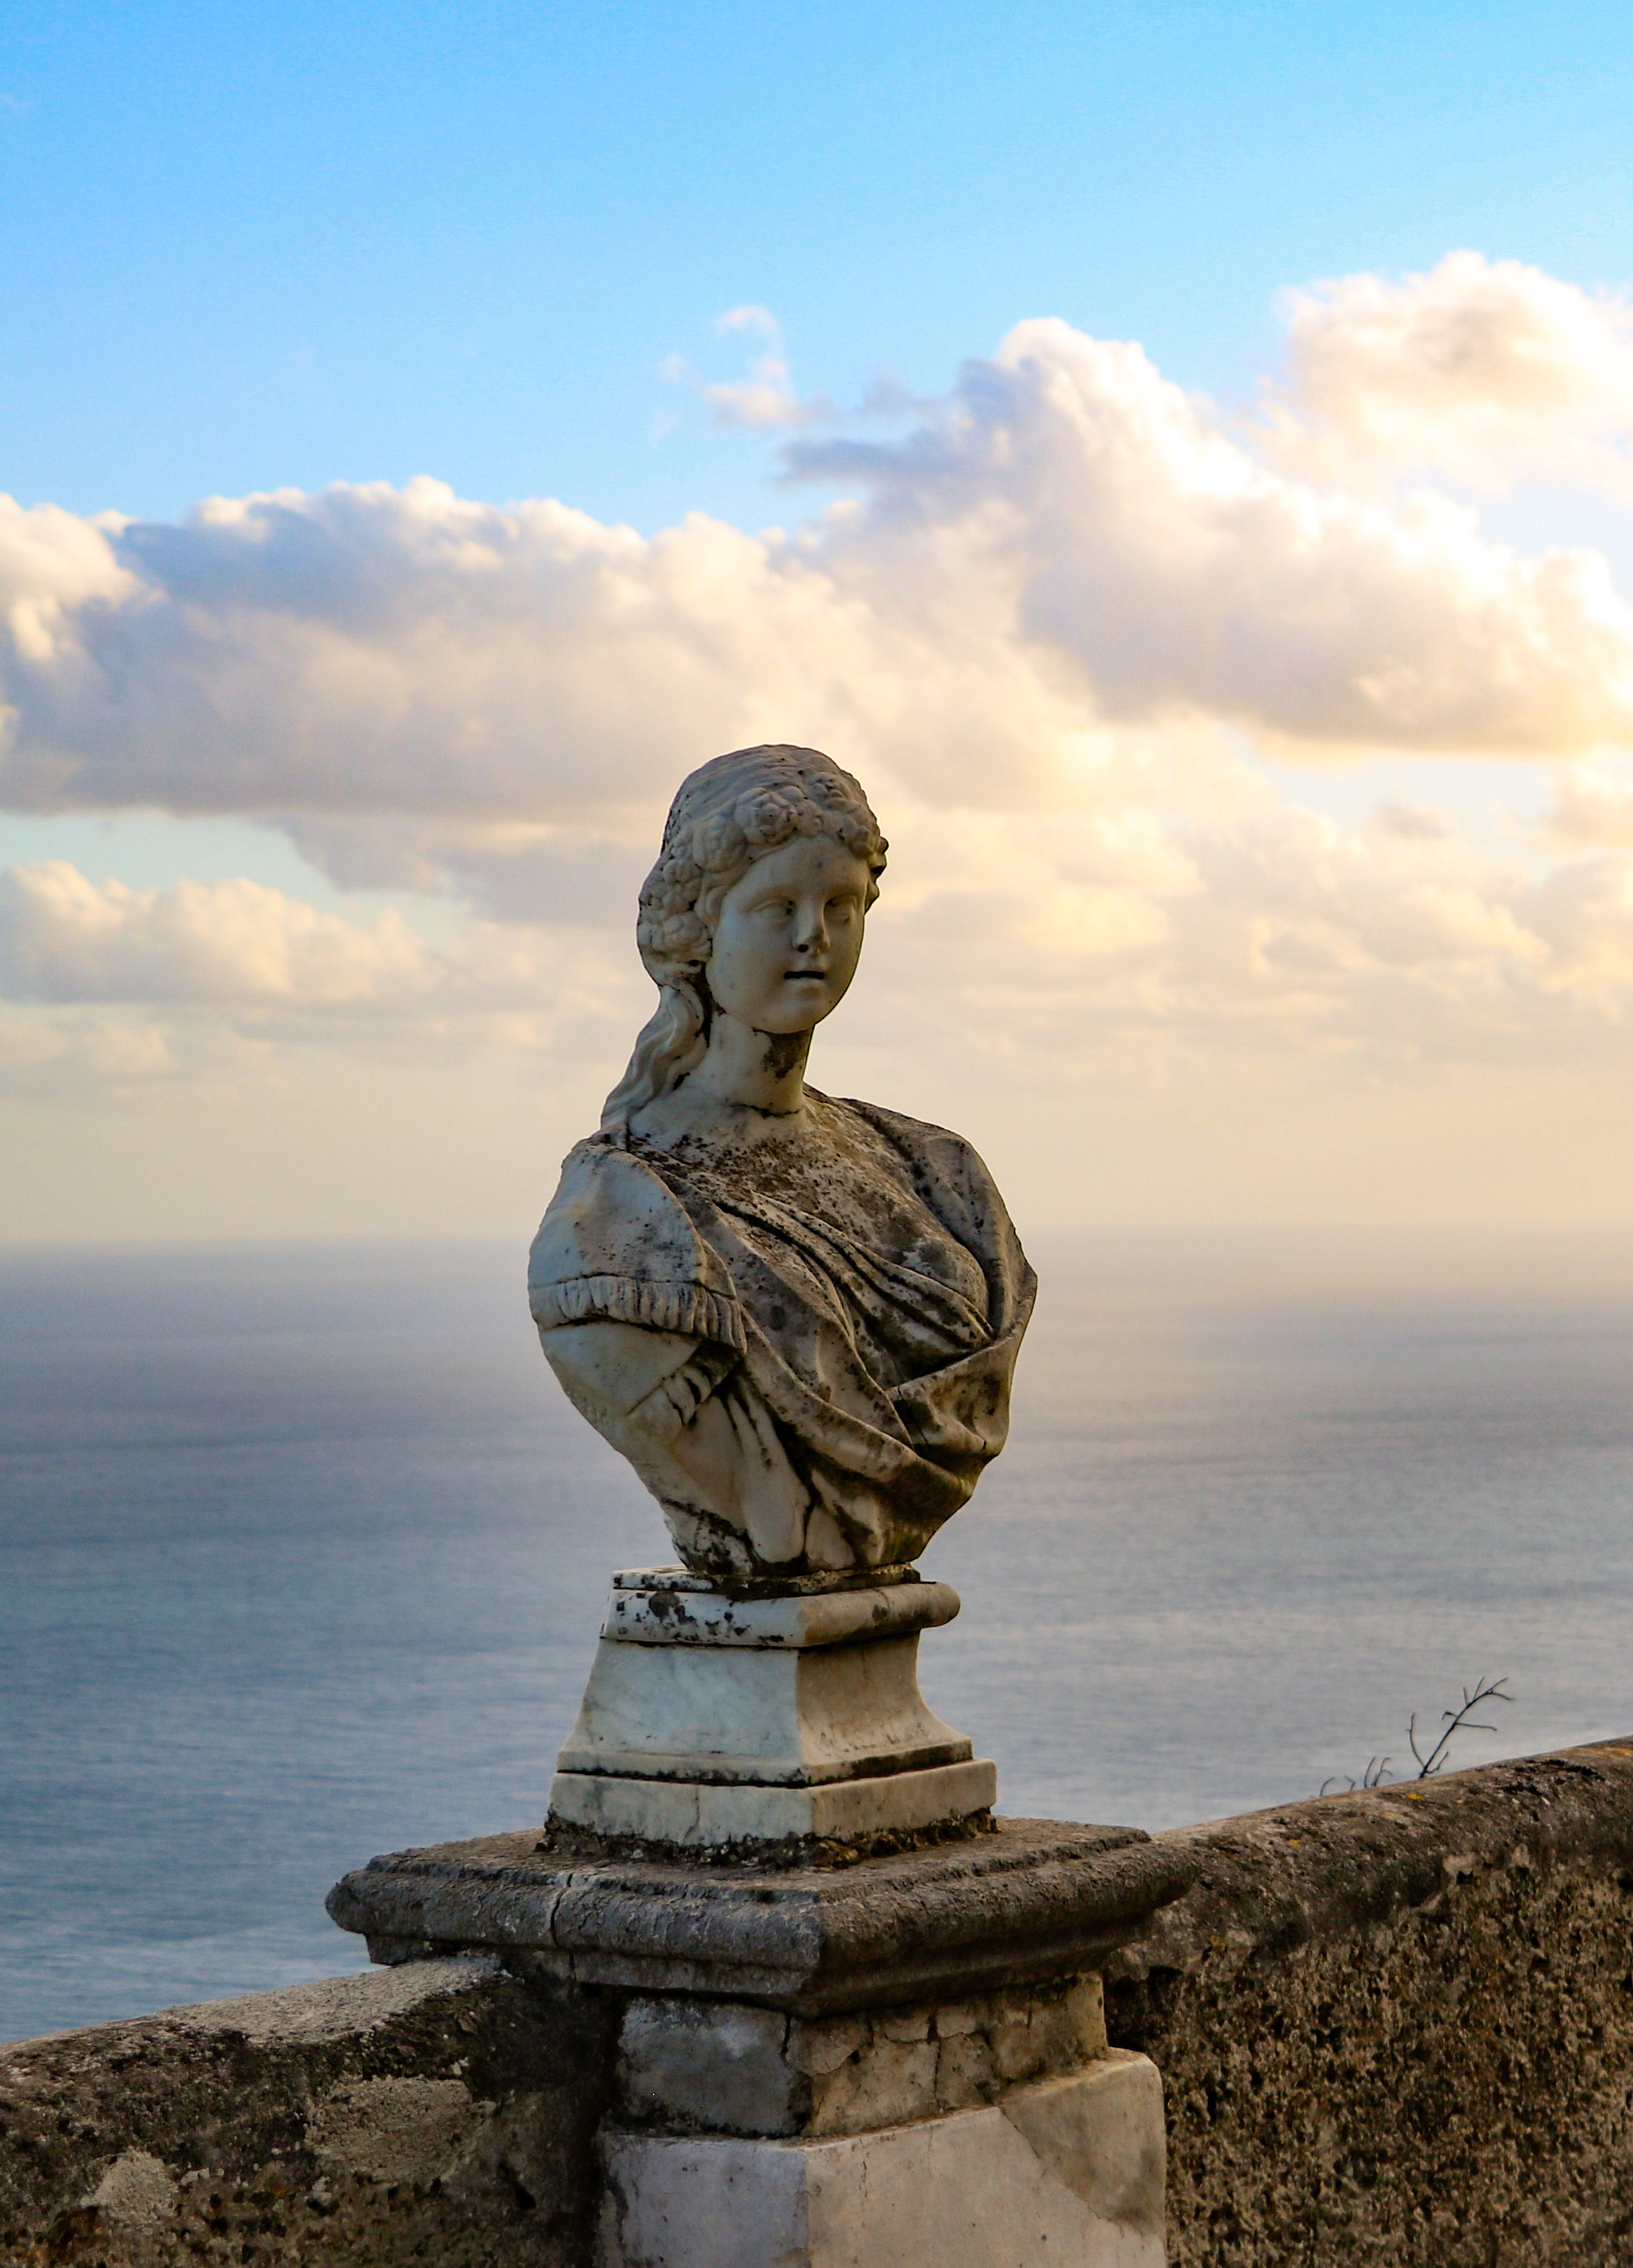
{"x": 301, "y": 1555}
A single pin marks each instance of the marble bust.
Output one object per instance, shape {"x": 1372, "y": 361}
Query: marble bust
{"x": 796, "y": 1317}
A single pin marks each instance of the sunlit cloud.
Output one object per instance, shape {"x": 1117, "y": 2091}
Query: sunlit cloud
{"x": 64, "y": 937}
{"x": 1591, "y": 804}
{"x": 1075, "y": 628}
{"x": 766, "y": 397}
{"x": 1491, "y": 371}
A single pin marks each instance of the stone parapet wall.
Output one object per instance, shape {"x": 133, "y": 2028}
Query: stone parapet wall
{"x": 443, "y": 2113}
{"x": 1394, "y": 2028}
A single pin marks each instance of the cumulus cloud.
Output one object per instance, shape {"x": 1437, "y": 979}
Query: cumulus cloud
{"x": 1390, "y": 950}
{"x": 64, "y": 937}
{"x": 1176, "y": 574}
{"x": 53, "y": 566}
{"x": 1056, "y": 622}
{"x": 1489, "y": 371}
{"x": 1057, "y": 947}
{"x": 126, "y": 990}
{"x": 71, "y": 1057}
{"x": 1592, "y": 805}
{"x": 766, "y": 397}
{"x": 1069, "y": 545}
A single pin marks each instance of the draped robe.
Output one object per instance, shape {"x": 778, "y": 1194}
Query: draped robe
{"x": 857, "y": 1294}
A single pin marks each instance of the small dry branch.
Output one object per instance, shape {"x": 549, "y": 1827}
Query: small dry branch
{"x": 1457, "y": 1720}
{"x": 1454, "y": 1721}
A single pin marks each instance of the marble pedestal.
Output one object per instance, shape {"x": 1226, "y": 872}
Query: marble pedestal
{"x": 888, "y": 2063}
{"x": 712, "y": 1720}
{"x": 845, "y": 2042}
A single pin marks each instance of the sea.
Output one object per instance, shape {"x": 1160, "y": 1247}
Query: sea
{"x": 302, "y": 1555}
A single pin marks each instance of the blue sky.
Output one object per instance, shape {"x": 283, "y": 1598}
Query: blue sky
{"x": 256, "y": 246}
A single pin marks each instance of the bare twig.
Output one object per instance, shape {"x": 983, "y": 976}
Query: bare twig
{"x": 1376, "y": 1773}
{"x": 1457, "y": 1720}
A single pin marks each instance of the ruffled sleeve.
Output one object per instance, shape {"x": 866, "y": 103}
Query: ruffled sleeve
{"x": 617, "y": 1245}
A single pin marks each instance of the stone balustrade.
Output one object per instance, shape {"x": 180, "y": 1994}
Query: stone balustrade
{"x": 1394, "y": 2026}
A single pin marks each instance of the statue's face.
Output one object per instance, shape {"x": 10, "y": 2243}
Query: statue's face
{"x": 789, "y": 935}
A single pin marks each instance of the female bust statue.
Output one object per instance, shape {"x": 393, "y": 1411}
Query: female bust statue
{"x": 797, "y": 1318}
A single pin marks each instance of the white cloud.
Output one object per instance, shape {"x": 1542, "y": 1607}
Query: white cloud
{"x": 765, "y": 400}
{"x": 205, "y": 983}
{"x": 749, "y": 317}
{"x": 1122, "y": 532}
{"x": 1070, "y": 546}
{"x": 65, "y": 937}
{"x": 1056, "y": 624}
{"x": 1592, "y": 805}
{"x": 83, "y": 1057}
{"x": 53, "y": 567}
{"x": 1063, "y": 945}
{"x": 1491, "y": 371}
{"x": 1081, "y": 955}
{"x": 766, "y": 397}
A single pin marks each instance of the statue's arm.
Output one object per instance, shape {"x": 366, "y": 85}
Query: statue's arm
{"x": 651, "y": 1396}
{"x": 639, "y": 1388}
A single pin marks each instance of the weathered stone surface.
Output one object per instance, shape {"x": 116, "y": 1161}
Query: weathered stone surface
{"x": 1397, "y": 2027}
{"x": 797, "y": 1318}
{"x": 692, "y": 1685}
{"x": 1035, "y": 1899}
{"x": 719, "y": 2067}
{"x": 443, "y": 2113}
{"x": 679, "y": 1816}
{"x": 669, "y": 1606}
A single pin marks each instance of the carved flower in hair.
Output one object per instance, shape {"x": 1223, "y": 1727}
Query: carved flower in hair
{"x": 670, "y": 892}
{"x": 767, "y": 818}
{"x": 718, "y": 843}
{"x": 678, "y": 935}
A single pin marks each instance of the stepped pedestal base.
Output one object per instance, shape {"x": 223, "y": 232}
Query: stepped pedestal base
{"x": 882, "y": 2065}
{"x": 712, "y": 1721}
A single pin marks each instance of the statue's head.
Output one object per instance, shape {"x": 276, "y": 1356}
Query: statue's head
{"x": 793, "y": 807}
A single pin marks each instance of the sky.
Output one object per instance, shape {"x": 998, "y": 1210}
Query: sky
{"x": 1178, "y": 456}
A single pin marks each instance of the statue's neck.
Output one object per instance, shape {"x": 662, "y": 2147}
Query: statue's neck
{"x": 744, "y": 1072}
{"x": 755, "y": 1070}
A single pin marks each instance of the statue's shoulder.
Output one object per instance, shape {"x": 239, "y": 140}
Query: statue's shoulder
{"x": 611, "y": 1214}
{"x": 604, "y": 1170}
{"x": 616, "y": 1243}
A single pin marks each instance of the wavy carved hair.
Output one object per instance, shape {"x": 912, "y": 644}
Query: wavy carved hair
{"x": 725, "y": 815}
